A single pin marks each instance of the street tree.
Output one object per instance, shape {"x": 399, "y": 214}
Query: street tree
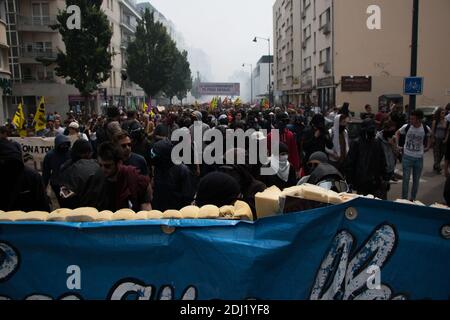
{"x": 151, "y": 56}
{"x": 86, "y": 61}
{"x": 180, "y": 81}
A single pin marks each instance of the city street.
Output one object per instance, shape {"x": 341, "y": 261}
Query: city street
{"x": 431, "y": 185}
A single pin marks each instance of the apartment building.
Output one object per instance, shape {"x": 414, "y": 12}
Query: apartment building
{"x": 32, "y": 42}
{"x": 5, "y": 74}
{"x": 287, "y": 51}
{"x": 261, "y": 77}
{"x": 343, "y": 59}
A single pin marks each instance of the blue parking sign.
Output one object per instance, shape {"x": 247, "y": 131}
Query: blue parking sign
{"x": 413, "y": 86}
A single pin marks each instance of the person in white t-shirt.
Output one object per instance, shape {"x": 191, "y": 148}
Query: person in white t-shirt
{"x": 417, "y": 141}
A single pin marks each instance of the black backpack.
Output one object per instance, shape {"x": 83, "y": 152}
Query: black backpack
{"x": 402, "y": 140}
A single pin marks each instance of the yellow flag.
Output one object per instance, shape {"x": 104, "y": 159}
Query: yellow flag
{"x": 19, "y": 118}
{"x": 39, "y": 118}
{"x": 152, "y": 114}
{"x": 145, "y": 107}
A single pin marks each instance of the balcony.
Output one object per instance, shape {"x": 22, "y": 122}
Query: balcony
{"x": 40, "y": 79}
{"x": 128, "y": 27}
{"x": 36, "y": 24}
{"x": 36, "y": 56}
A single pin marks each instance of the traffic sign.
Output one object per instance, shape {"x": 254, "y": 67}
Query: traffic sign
{"x": 413, "y": 86}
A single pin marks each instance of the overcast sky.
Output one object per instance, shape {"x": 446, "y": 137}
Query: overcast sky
{"x": 224, "y": 29}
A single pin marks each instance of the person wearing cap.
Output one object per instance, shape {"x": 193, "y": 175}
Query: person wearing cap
{"x": 284, "y": 173}
{"x": 74, "y": 131}
{"x": 365, "y": 166}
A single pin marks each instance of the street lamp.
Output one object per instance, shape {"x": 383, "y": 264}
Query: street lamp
{"x": 251, "y": 79}
{"x": 270, "y": 71}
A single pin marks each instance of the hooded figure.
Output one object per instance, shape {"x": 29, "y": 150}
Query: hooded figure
{"x": 288, "y": 138}
{"x": 316, "y": 137}
{"x": 284, "y": 176}
{"x": 339, "y": 135}
{"x": 248, "y": 185}
{"x": 365, "y": 166}
{"x": 77, "y": 174}
{"x": 174, "y": 184}
{"x": 53, "y": 161}
{"x": 219, "y": 189}
{"x": 22, "y": 188}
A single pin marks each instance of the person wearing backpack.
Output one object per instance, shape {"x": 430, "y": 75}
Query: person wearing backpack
{"x": 414, "y": 140}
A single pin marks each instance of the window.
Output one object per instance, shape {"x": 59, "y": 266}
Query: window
{"x": 40, "y": 13}
{"x": 307, "y": 32}
{"x": 315, "y": 42}
{"x": 325, "y": 55}
{"x": 307, "y": 64}
{"x": 325, "y": 18}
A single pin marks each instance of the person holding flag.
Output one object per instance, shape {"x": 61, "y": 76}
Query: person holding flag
{"x": 39, "y": 118}
{"x": 19, "y": 121}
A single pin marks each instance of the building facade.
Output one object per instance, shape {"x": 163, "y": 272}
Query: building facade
{"x": 261, "y": 78}
{"x": 346, "y": 57}
{"x": 32, "y": 41}
{"x": 5, "y": 74}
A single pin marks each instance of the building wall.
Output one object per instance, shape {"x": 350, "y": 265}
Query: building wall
{"x": 4, "y": 66}
{"x": 434, "y": 52}
{"x": 385, "y": 54}
{"x": 287, "y": 47}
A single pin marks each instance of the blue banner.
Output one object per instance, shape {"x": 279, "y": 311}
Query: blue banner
{"x": 363, "y": 249}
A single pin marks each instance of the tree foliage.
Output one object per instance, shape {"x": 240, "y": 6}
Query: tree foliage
{"x": 180, "y": 81}
{"x": 151, "y": 56}
{"x": 86, "y": 61}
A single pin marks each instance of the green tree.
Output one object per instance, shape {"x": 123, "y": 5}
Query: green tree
{"x": 86, "y": 62}
{"x": 180, "y": 81}
{"x": 151, "y": 56}
{"x": 195, "y": 92}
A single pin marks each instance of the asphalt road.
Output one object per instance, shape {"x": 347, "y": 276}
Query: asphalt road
{"x": 431, "y": 188}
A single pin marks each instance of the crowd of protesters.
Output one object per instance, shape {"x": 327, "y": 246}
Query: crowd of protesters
{"x": 122, "y": 159}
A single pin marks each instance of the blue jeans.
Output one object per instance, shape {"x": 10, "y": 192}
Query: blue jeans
{"x": 416, "y": 165}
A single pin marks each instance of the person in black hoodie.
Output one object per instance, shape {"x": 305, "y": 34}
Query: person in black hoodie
{"x": 173, "y": 184}
{"x": 316, "y": 137}
{"x": 53, "y": 161}
{"x": 241, "y": 172}
{"x": 365, "y": 166}
{"x": 22, "y": 188}
{"x": 76, "y": 176}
